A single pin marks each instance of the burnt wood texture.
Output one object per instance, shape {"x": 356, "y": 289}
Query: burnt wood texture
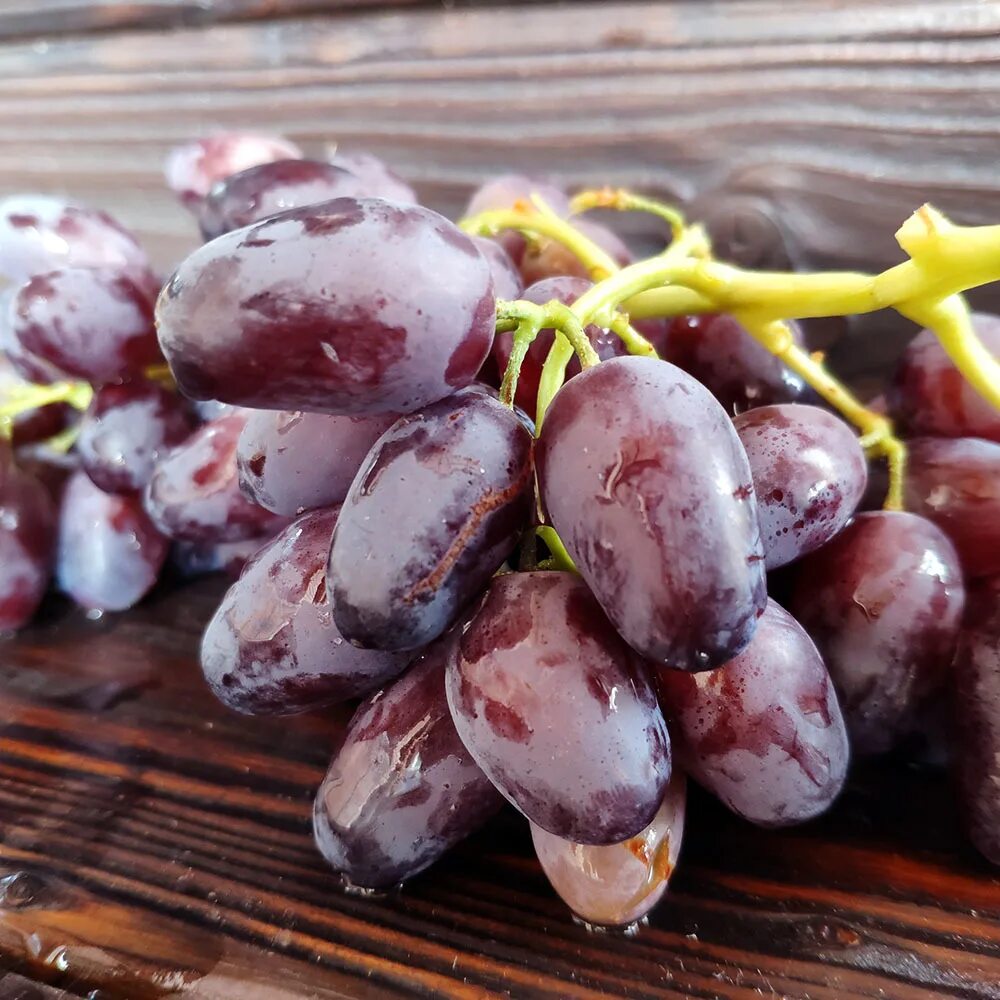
{"x": 153, "y": 844}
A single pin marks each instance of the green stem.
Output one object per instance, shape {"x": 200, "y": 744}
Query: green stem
{"x": 635, "y": 342}
{"x": 554, "y": 543}
{"x": 625, "y": 201}
{"x": 524, "y": 334}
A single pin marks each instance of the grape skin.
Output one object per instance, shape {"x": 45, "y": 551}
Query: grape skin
{"x": 617, "y": 884}
{"x": 649, "y": 488}
{"x": 809, "y": 474}
{"x": 764, "y": 732}
{"x": 883, "y": 602}
{"x": 38, "y": 423}
{"x": 290, "y": 461}
{"x": 507, "y": 283}
{"x": 956, "y": 484}
{"x": 272, "y": 647}
{"x": 402, "y": 789}
{"x": 109, "y": 552}
{"x": 558, "y": 711}
{"x": 439, "y": 503}
{"x": 378, "y": 179}
{"x": 354, "y": 306}
{"x": 27, "y": 535}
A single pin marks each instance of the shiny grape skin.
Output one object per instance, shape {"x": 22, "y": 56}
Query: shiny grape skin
{"x": 193, "y": 168}
{"x": 126, "y": 429}
{"x": 27, "y": 536}
{"x": 270, "y": 188}
{"x": 39, "y": 234}
{"x": 955, "y": 482}
{"x": 290, "y": 461}
{"x": 929, "y": 395}
{"x": 738, "y": 371}
{"x": 809, "y": 474}
{"x": 439, "y": 503}
{"x": 194, "y": 493}
{"x": 91, "y": 324}
{"x": 354, "y": 306}
{"x": 565, "y": 290}
{"x": 507, "y": 283}
{"x": 617, "y": 884}
{"x": 272, "y": 647}
{"x": 378, "y": 179}
{"x": 646, "y": 482}
{"x": 764, "y": 732}
{"x": 402, "y": 789}
{"x": 883, "y": 603}
{"x": 558, "y": 711}
{"x": 109, "y": 552}
{"x": 976, "y": 705}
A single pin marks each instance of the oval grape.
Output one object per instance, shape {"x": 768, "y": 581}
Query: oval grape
{"x": 27, "y": 533}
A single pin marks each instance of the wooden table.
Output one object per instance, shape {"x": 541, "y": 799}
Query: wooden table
{"x": 155, "y": 845}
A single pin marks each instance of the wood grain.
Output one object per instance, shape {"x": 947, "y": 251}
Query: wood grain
{"x": 153, "y": 844}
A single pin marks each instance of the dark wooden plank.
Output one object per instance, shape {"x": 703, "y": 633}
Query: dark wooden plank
{"x": 151, "y": 841}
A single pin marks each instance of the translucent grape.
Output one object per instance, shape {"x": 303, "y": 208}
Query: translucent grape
{"x": 272, "y": 647}
{"x": 764, "y": 732}
{"x": 809, "y": 474}
{"x": 647, "y": 484}
{"x": 883, "y": 603}
{"x": 402, "y": 789}
{"x": 439, "y": 503}
{"x": 27, "y": 534}
{"x": 558, "y": 711}
{"x": 355, "y": 306}
{"x": 378, "y": 179}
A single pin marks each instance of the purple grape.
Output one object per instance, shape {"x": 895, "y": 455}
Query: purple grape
{"x": 439, "y": 503}
{"x": 378, "y": 180}
{"x": 764, "y": 732}
{"x": 194, "y": 559}
{"x": 647, "y": 484}
{"x": 272, "y": 647}
{"x": 194, "y": 493}
{"x": 109, "y": 552}
{"x": 27, "y": 534}
{"x": 558, "y": 711}
{"x": 211, "y": 409}
{"x": 956, "y": 484}
{"x": 38, "y": 423}
{"x": 355, "y": 306}
{"x": 738, "y": 371}
{"x": 809, "y": 474}
{"x": 977, "y": 716}
{"x": 567, "y": 291}
{"x": 269, "y": 188}
{"x": 193, "y": 168}
{"x": 617, "y": 884}
{"x": 290, "y": 462}
{"x": 39, "y": 234}
{"x": 402, "y": 789}
{"x": 883, "y": 603}
{"x": 127, "y": 429}
{"x": 507, "y": 282}
{"x": 929, "y": 395}
{"x": 549, "y": 259}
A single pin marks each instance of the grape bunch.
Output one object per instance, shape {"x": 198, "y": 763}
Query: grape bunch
{"x": 532, "y": 501}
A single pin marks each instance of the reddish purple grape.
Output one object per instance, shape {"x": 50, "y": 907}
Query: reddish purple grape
{"x": 567, "y": 291}
{"x": 193, "y": 559}
{"x": 193, "y": 168}
{"x": 290, "y": 461}
{"x": 194, "y": 492}
{"x": 39, "y": 234}
{"x": 269, "y": 188}
{"x": 738, "y": 371}
{"x": 27, "y": 536}
{"x": 558, "y": 711}
{"x": 402, "y": 789}
{"x": 211, "y": 409}
{"x": 955, "y": 482}
{"x": 378, "y": 179}
{"x": 764, "y": 732}
{"x": 649, "y": 488}
{"x": 127, "y": 429}
{"x": 272, "y": 647}
{"x": 507, "y": 283}
{"x": 809, "y": 474}
{"x": 883, "y": 603}
{"x": 52, "y": 467}
{"x": 929, "y": 395}
{"x": 617, "y": 884}
{"x": 109, "y": 552}
{"x": 977, "y": 716}
{"x": 440, "y": 502}
{"x": 549, "y": 259}
{"x": 38, "y": 423}
{"x": 86, "y": 323}
{"x": 355, "y": 306}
